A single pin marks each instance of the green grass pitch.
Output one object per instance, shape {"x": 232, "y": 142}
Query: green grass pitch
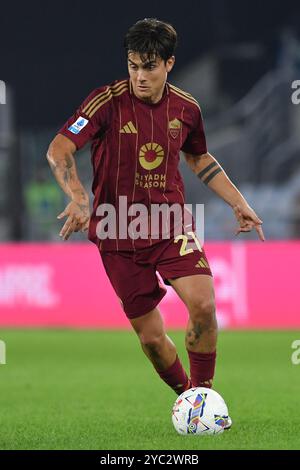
{"x": 68, "y": 389}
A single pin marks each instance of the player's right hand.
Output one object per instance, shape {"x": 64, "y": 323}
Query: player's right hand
{"x": 78, "y": 214}
{"x": 248, "y": 220}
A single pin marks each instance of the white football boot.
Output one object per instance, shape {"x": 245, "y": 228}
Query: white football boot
{"x": 228, "y": 423}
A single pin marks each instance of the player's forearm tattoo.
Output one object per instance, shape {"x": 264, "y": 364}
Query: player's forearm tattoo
{"x": 193, "y": 335}
{"x": 61, "y": 169}
{"x": 65, "y": 173}
{"x": 203, "y": 173}
{"x": 81, "y": 194}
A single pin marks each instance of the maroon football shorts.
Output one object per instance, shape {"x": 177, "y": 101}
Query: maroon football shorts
{"x": 133, "y": 273}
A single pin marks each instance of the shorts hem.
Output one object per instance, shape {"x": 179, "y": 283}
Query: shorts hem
{"x": 141, "y": 312}
{"x": 166, "y": 279}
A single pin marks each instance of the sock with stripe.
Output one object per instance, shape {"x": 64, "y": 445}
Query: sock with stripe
{"x": 176, "y": 377}
{"x": 202, "y": 368}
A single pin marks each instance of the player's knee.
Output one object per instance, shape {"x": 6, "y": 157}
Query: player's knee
{"x": 152, "y": 342}
{"x": 202, "y": 311}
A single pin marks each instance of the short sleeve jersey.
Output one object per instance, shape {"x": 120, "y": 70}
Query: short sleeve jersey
{"x": 135, "y": 149}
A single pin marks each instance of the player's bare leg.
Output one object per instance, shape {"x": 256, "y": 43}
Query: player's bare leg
{"x": 197, "y": 293}
{"x": 160, "y": 349}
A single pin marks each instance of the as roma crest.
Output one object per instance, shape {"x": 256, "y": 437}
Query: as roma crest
{"x": 174, "y": 127}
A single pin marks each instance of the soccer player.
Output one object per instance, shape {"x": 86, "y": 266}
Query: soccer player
{"x": 137, "y": 127}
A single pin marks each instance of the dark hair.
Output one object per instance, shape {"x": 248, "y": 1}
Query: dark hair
{"x": 151, "y": 38}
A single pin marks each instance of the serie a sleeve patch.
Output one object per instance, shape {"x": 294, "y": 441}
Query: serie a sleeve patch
{"x": 78, "y": 125}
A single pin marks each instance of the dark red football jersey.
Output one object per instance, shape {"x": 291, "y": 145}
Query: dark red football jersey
{"x": 135, "y": 149}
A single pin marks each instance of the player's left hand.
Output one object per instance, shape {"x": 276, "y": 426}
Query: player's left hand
{"x": 248, "y": 220}
{"x": 78, "y": 217}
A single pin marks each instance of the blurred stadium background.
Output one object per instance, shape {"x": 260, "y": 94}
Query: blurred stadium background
{"x": 239, "y": 59}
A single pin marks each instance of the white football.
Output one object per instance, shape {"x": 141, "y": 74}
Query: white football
{"x": 199, "y": 411}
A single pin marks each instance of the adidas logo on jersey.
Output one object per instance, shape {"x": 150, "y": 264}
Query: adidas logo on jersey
{"x": 201, "y": 263}
{"x": 128, "y": 128}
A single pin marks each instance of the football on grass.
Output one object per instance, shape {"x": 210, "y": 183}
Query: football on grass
{"x": 199, "y": 411}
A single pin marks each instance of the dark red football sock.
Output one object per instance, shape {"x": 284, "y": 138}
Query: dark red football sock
{"x": 175, "y": 376}
{"x": 202, "y": 367}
